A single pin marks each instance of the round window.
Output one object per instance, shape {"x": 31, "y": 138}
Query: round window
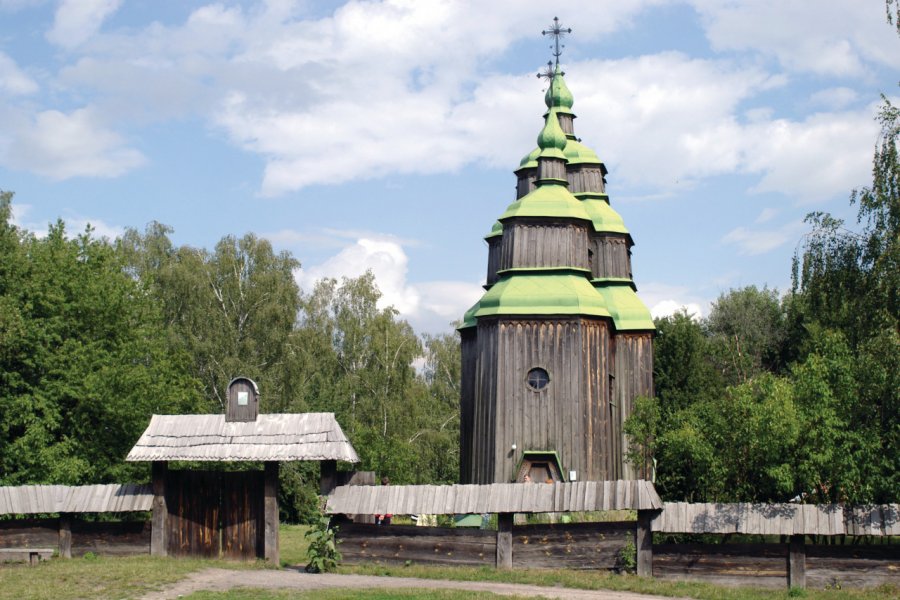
{"x": 537, "y": 378}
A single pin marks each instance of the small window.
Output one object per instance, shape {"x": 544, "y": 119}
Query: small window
{"x": 537, "y": 379}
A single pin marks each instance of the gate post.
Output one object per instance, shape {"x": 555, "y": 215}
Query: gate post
{"x": 65, "y": 535}
{"x": 644, "y": 543}
{"x": 797, "y": 562}
{"x": 504, "y": 540}
{"x": 159, "y": 522}
{"x": 270, "y": 513}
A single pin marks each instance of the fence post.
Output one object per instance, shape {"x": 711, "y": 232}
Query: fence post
{"x": 504, "y": 540}
{"x": 797, "y": 562}
{"x": 270, "y": 513}
{"x": 65, "y": 535}
{"x": 644, "y": 543}
{"x": 159, "y": 520}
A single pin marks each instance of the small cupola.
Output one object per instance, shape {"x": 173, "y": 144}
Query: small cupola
{"x": 242, "y": 402}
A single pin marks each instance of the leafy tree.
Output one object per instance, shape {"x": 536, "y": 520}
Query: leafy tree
{"x": 83, "y": 360}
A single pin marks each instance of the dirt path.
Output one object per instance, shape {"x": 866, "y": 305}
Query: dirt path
{"x": 223, "y": 580}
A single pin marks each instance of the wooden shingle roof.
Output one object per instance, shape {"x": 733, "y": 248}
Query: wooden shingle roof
{"x": 271, "y": 437}
{"x": 778, "y": 519}
{"x": 36, "y": 499}
{"x": 494, "y": 498}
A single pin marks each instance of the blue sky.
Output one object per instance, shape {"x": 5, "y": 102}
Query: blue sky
{"x": 383, "y": 134}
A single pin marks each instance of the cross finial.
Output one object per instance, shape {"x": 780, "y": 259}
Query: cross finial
{"x": 548, "y": 73}
{"x": 558, "y": 32}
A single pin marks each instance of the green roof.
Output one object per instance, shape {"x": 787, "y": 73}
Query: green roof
{"x": 469, "y": 317}
{"x": 549, "y": 293}
{"x": 496, "y": 230}
{"x": 577, "y": 153}
{"x": 547, "y": 200}
{"x": 604, "y": 218}
{"x": 629, "y": 313}
{"x": 530, "y": 159}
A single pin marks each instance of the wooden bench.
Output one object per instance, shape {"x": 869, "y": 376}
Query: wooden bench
{"x": 32, "y": 555}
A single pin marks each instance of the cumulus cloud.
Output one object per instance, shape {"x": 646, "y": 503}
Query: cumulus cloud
{"x": 76, "y": 21}
{"x": 759, "y": 241}
{"x": 13, "y": 80}
{"x": 60, "y": 145}
{"x": 428, "y": 306}
{"x": 665, "y": 300}
{"x": 842, "y": 38}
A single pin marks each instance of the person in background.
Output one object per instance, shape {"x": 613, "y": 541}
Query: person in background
{"x": 384, "y": 519}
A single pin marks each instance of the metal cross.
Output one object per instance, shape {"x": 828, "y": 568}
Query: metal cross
{"x": 548, "y": 73}
{"x": 557, "y": 31}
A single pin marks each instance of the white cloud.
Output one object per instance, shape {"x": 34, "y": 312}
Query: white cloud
{"x": 839, "y": 37}
{"x": 75, "y": 225}
{"x": 759, "y": 241}
{"x": 766, "y": 215}
{"x": 666, "y": 299}
{"x": 76, "y": 21}
{"x": 428, "y": 306}
{"x": 13, "y": 80}
{"x": 59, "y": 146}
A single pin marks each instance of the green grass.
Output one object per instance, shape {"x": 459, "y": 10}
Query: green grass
{"x": 343, "y": 594}
{"x": 292, "y": 545}
{"x": 100, "y": 577}
{"x": 591, "y": 580}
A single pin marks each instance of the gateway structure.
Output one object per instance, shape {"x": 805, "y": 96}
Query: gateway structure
{"x": 559, "y": 346}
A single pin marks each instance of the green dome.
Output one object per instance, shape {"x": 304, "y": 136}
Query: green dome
{"x": 558, "y": 95}
{"x": 628, "y": 312}
{"x": 496, "y": 230}
{"x": 549, "y": 200}
{"x": 469, "y": 317}
{"x": 530, "y": 159}
{"x": 604, "y": 218}
{"x": 577, "y": 153}
{"x": 552, "y": 139}
{"x": 550, "y": 293}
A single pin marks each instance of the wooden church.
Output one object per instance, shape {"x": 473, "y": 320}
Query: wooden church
{"x": 559, "y": 346}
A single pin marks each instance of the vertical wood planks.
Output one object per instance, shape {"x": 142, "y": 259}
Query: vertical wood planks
{"x": 504, "y": 540}
{"x": 159, "y": 526}
{"x": 270, "y": 514}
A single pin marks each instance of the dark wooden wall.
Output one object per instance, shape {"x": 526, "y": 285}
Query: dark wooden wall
{"x": 526, "y": 181}
{"x": 852, "y": 566}
{"x": 469, "y": 356}
{"x": 529, "y": 244}
{"x": 632, "y": 377}
{"x": 397, "y": 544}
{"x": 759, "y": 565}
{"x": 494, "y": 245}
{"x": 570, "y": 416}
{"x": 586, "y": 178}
{"x": 551, "y": 168}
{"x": 105, "y": 538}
{"x": 611, "y": 256}
{"x": 573, "y": 546}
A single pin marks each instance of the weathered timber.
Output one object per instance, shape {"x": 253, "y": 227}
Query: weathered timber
{"x": 495, "y": 245}
{"x": 797, "y": 562}
{"x": 532, "y": 243}
{"x": 612, "y": 256}
{"x": 242, "y": 514}
{"x": 551, "y": 168}
{"x": 571, "y": 546}
{"x": 643, "y": 542}
{"x": 25, "y": 533}
{"x": 30, "y": 555}
{"x": 397, "y": 544}
{"x": 632, "y": 358}
{"x": 110, "y": 538}
{"x": 193, "y": 501}
{"x": 526, "y": 180}
{"x": 327, "y": 476}
{"x": 852, "y": 566}
{"x": 760, "y": 565}
{"x": 65, "y": 535}
{"x": 160, "y": 515}
{"x": 504, "y": 541}
{"x": 586, "y": 179}
{"x": 468, "y": 353}
{"x": 270, "y": 514}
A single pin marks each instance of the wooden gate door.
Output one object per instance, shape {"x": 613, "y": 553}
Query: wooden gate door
{"x": 242, "y": 515}
{"x": 214, "y": 513}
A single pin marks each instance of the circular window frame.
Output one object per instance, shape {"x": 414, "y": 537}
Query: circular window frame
{"x": 538, "y": 370}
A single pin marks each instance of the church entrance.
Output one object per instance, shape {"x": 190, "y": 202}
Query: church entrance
{"x": 540, "y": 467}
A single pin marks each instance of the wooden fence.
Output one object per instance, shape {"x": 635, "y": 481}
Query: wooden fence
{"x": 762, "y": 545}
